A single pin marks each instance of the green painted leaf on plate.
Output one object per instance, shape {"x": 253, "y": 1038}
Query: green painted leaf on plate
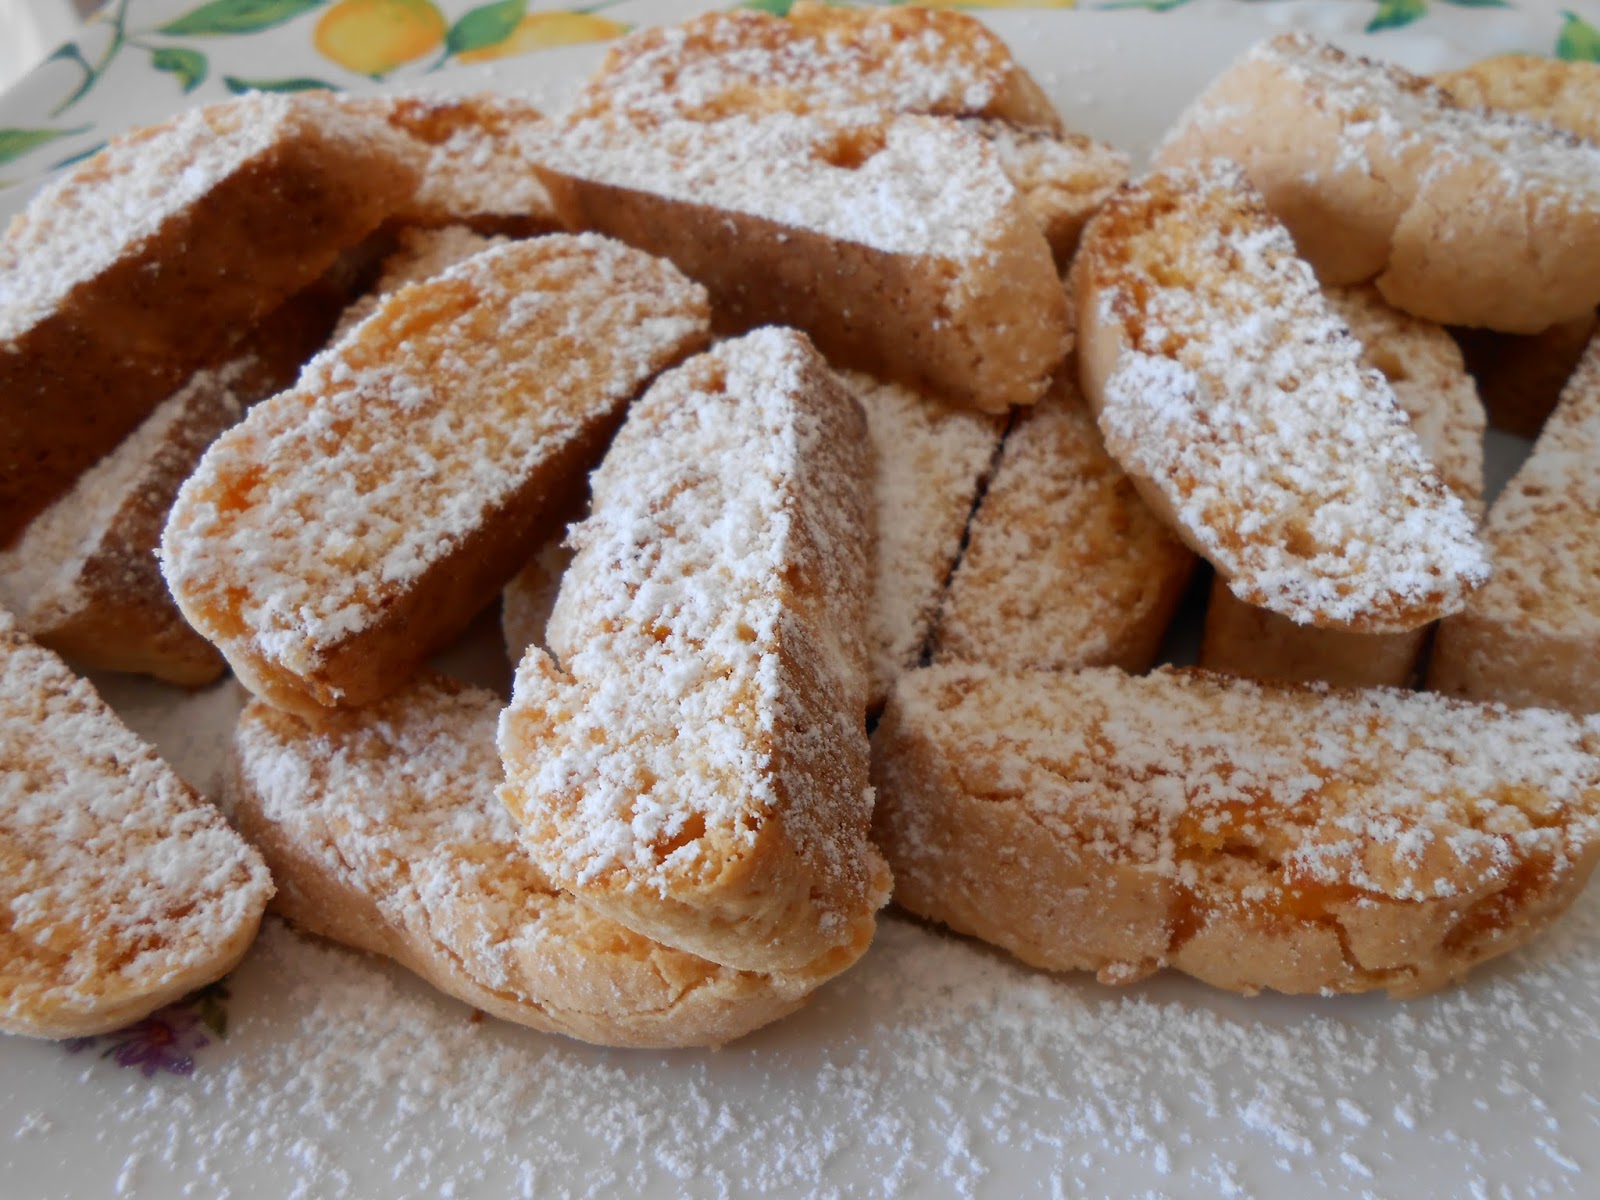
{"x": 74, "y": 159}
{"x": 1392, "y": 14}
{"x": 1150, "y": 5}
{"x": 778, "y": 8}
{"x": 1579, "y": 40}
{"x": 188, "y": 65}
{"x": 1480, "y": 3}
{"x": 68, "y": 50}
{"x": 14, "y": 143}
{"x": 302, "y": 84}
{"x": 488, "y": 25}
{"x": 223, "y": 17}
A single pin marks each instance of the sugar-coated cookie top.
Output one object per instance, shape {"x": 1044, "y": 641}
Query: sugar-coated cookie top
{"x": 1241, "y": 395}
{"x": 397, "y": 441}
{"x": 906, "y": 185}
{"x": 902, "y": 60}
{"x": 1404, "y": 795}
{"x": 109, "y": 206}
{"x": 114, "y": 875}
{"x": 710, "y": 581}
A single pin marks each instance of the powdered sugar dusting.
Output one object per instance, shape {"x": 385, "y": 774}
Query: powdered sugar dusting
{"x": 399, "y": 442}
{"x": 80, "y": 225}
{"x": 1424, "y": 366}
{"x": 1413, "y": 115}
{"x": 905, "y": 185}
{"x": 711, "y": 695}
{"x": 929, "y": 462}
{"x": 393, "y": 808}
{"x": 935, "y": 1067}
{"x": 116, "y": 881}
{"x": 1065, "y": 565}
{"x": 472, "y": 165}
{"x": 1402, "y": 795}
{"x": 1241, "y": 398}
{"x": 719, "y": 63}
{"x": 1541, "y": 530}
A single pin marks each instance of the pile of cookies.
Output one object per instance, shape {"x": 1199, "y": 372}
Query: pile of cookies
{"x": 804, "y": 378}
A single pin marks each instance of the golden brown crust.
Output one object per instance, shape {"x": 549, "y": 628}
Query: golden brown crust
{"x": 83, "y": 578}
{"x": 695, "y": 767}
{"x": 1405, "y": 200}
{"x": 1520, "y": 376}
{"x": 384, "y": 833}
{"x": 1532, "y": 635}
{"x": 1253, "y": 836}
{"x": 1065, "y": 566}
{"x": 935, "y": 278}
{"x": 101, "y": 335}
{"x": 120, "y": 889}
{"x": 352, "y": 525}
{"x": 1560, "y": 91}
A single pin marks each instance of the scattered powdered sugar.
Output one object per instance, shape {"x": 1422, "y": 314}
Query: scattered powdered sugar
{"x": 117, "y": 880}
{"x": 1241, "y": 398}
{"x": 929, "y": 462}
{"x": 936, "y": 1066}
{"x": 398, "y": 443}
{"x": 904, "y": 185}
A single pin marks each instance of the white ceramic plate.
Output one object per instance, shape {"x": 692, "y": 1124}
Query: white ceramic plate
{"x": 935, "y": 1067}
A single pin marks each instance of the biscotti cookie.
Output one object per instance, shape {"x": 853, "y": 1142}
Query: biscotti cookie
{"x": 350, "y": 526}
{"x": 383, "y": 832}
{"x": 1251, "y": 835}
{"x": 141, "y": 265}
{"x": 899, "y": 60}
{"x": 1237, "y": 402}
{"x": 1423, "y": 365}
{"x": 1520, "y": 377}
{"x": 83, "y": 580}
{"x": 897, "y": 244}
{"x": 1532, "y": 635}
{"x": 120, "y": 889}
{"x": 1065, "y": 566}
{"x": 693, "y": 760}
{"x": 820, "y": 58}
{"x": 1462, "y": 216}
{"x": 929, "y": 462}
{"x": 472, "y": 167}
{"x": 1560, "y": 91}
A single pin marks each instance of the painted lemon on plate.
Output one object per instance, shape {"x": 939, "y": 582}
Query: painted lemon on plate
{"x": 373, "y": 37}
{"x": 541, "y": 30}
